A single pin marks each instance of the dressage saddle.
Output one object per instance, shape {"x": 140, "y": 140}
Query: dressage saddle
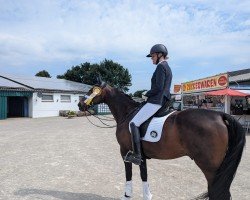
{"x": 163, "y": 111}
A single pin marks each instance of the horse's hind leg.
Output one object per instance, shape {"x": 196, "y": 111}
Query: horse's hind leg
{"x": 209, "y": 175}
{"x": 144, "y": 176}
{"x": 128, "y": 186}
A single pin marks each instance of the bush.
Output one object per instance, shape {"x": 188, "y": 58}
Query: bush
{"x": 63, "y": 113}
{"x": 71, "y": 112}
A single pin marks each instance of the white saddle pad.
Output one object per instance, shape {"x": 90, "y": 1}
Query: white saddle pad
{"x": 154, "y": 130}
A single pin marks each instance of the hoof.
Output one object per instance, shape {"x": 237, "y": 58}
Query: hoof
{"x": 126, "y": 198}
{"x": 148, "y": 197}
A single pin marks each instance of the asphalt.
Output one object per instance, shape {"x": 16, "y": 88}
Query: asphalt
{"x": 70, "y": 159}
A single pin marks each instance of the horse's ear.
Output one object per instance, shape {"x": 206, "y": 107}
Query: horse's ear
{"x": 103, "y": 84}
{"x": 99, "y": 80}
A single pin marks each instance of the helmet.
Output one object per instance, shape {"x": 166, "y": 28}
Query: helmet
{"x": 158, "y": 48}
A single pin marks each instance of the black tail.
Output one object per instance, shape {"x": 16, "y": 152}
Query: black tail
{"x": 220, "y": 188}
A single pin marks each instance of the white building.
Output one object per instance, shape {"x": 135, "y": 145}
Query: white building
{"x": 22, "y": 96}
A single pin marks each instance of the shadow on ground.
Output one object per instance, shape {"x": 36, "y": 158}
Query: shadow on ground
{"x": 61, "y": 195}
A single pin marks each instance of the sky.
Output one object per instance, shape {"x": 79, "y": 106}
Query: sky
{"x": 203, "y": 37}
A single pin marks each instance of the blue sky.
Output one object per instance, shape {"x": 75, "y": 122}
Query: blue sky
{"x": 204, "y": 38}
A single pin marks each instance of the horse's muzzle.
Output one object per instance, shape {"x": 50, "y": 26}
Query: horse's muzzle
{"x": 82, "y": 106}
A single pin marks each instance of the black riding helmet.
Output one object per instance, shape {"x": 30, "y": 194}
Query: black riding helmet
{"x": 158, "y": 48}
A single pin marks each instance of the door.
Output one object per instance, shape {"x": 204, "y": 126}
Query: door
{"x": 16, "y": 107}
{"x": 3, "y": 107}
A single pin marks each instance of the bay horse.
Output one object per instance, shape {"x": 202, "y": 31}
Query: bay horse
{"x": 214, "y": 140}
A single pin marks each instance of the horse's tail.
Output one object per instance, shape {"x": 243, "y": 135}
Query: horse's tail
{"x": 220, "y": 188}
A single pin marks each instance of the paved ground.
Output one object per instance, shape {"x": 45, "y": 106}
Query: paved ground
{"x": 69, "y": 159}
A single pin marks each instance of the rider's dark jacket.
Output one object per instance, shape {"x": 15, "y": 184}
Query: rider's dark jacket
{"x": 160, "y": 84}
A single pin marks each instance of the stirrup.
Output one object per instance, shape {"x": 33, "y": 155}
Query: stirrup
{"x": 129, "y": 154}
{"x": 131, "y": 157}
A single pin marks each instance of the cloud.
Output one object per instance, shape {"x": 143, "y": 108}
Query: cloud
{"x": 76, "y": 31}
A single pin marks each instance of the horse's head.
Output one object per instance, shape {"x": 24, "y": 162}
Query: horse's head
{"x": 94, "y": 96}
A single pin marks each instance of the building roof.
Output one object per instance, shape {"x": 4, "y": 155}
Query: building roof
{"x": 240, "y": 75}
{"x": 45, "y": 84}
{"x": 239, "y": 72}
{"x": 6, "y": 84}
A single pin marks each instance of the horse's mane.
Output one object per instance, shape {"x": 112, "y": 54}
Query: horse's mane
{"x": 127, "y": 96}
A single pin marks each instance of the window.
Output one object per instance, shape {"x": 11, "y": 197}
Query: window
{"x": 47, "y": 97}
{"x": 65, "y": 98}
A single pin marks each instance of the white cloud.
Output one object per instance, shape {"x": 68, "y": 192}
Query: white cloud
{"x": 70, "y": 31}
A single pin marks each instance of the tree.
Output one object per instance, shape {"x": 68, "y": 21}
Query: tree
{"x": 139, "y": 93}
{"x": 113, "y": 73}
{"x": 43, "y": 73}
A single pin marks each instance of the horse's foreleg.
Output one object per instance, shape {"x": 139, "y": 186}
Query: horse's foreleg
{"x": 128, "y": 186}
{"x": 144, "y": 177}
{"x": 143, "y": 171}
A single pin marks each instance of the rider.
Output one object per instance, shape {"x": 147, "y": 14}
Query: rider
{"x": 158, "y": 95}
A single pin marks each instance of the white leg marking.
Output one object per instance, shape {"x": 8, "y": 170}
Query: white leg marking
{"x": 146, "y": 191}
{"x": 128, "y": 191}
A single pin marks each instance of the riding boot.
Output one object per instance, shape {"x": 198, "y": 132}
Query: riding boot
{"x": 135, "y": 156}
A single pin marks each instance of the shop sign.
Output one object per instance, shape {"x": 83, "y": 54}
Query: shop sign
{"x": 210, "y": 83}
{"x": 177, "y": 88}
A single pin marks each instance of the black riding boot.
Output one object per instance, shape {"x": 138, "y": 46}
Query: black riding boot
{"x": 135, "y": 156}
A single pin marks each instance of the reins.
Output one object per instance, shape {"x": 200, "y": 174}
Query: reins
{"x": 100, "y": 119}
{"x": 88, "y": 101}
{"x": 110, "y": 118}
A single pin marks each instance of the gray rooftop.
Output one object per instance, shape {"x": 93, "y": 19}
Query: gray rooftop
{"x": 240, "y": 75}
{"x": 7, "y": 84}
{"x": 42, "y": 83}
{"x": 239, "y": 72}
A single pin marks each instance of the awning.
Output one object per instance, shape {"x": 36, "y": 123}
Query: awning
{"x": 228, "y": 92}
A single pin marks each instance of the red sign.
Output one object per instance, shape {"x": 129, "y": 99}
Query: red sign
{"x": 222, "y": 80}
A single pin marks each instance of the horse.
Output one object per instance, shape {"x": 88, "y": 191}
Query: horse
{"x": 213, "y": 140}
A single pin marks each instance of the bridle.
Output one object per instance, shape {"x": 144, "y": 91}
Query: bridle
{"x": 95, "y": 92}
{"x": 88, "y": 101}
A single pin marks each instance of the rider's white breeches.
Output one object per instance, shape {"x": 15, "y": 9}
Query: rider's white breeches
{"x": 145, "y": 113}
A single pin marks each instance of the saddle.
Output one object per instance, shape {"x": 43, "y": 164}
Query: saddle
{"x": 163, "y": 111}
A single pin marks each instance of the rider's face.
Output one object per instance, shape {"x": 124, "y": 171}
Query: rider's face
{"x": 154, "y": 58}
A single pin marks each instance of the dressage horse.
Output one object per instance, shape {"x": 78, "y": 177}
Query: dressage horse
{"x": 214, "y": 140}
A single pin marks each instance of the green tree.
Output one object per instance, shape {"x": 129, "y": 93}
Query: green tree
{"x": 138, "y": 93}
{"x": 113, "y": 73}
{"x": 43, "y": 73}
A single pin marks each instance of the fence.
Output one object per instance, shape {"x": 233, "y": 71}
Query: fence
{"x": 102, "y": 109}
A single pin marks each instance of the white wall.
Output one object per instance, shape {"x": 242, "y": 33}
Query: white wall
{"x": 51, "y": 109}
